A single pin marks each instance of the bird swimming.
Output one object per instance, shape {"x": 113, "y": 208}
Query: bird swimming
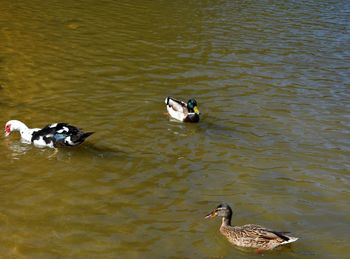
{"x": 179, "y": 110}
{"x": 249, "y": 236}
{"x": 53, "y": 135}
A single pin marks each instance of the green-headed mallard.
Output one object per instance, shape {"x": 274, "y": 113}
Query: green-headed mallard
{"x": 181, "y": 111}
{"x": 250, "y": 236}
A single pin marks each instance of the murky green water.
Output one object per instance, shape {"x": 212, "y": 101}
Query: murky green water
{"x": 272, "y": 82}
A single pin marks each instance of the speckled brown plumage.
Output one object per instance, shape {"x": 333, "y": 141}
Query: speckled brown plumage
{"x": 250, "y": 236}
{"x": 253, "y": 236}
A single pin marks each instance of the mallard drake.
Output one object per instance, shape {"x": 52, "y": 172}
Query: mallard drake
{"x": 179, "y": 110}
{"x": 52, "y": 135}
{"x": 250, "y": 236}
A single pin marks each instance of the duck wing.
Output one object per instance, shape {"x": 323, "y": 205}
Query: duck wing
{"x": 59, "y": 134}
{"x": 257, "y": 231}
{"x": 176, "y": 105}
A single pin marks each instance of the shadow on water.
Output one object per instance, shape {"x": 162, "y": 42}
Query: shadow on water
{"x": 88, "y": 150}
{"x": 210, "y": 125}
{"x": 210, "y": 128}
{"x": 99, "y": 151}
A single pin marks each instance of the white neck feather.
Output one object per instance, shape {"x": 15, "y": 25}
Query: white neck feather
{"x": 25, "y": 132}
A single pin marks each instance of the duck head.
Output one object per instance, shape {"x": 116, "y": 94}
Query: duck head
{"x": 192, "y": 106}
{"x": 223, "y": 210}
{"x": 13, "y": 125}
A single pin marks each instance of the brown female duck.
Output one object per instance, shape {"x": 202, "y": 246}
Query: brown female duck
{"x": 250, "y": 236}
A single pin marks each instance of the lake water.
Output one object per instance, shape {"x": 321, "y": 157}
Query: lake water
{"x": 272, "y": 82}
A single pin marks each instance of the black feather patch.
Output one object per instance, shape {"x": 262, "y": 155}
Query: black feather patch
{"x": 281, "y": 235}
{"x": 61, "y": 134}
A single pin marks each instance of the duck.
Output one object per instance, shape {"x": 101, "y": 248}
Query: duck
{"x": 250, "y": 235}
{"x": 53, "y": 135}
{"x": 179, "y": 110}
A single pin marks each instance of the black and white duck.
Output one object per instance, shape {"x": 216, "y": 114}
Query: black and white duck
{"x": 179, "y": 110}
{"x": 53, "y": 135}
{"x": 249, "y": 236}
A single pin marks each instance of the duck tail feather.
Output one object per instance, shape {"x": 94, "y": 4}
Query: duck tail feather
{"x": 86, "y": 134}
{"x": 281, "y": 235}
{"x": 290, "y": 240}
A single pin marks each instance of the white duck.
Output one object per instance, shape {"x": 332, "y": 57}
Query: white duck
{"x": 52, "y": 135}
